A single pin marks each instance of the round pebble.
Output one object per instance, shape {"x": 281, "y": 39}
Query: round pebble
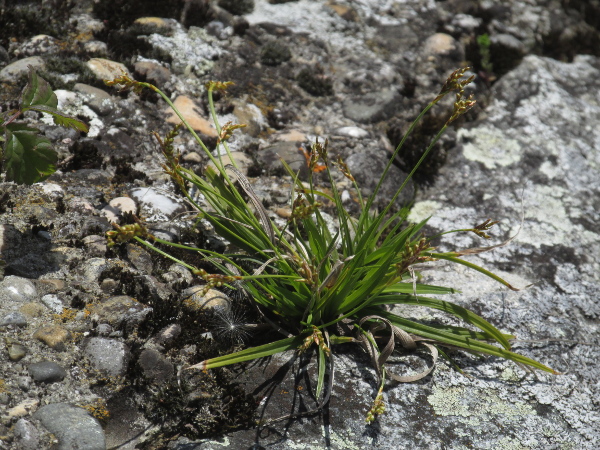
{"x": 47, "y": 372}
{"x": 16, "y": 351}
{"x": 14, "y": 318}
{"x": 107, "y": 355}
{"x": 54, "y": 336}
{"x": 74, "y": 427}
{"x": 17, "y": 289}
{"x": 27, "y": 437}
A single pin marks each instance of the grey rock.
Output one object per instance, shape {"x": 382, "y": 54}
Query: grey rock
{"x": 17, "y": 289}
{"x": 140, "y": 258}
{"x": 535, "y": 147}
{"x": 47, "y": 372}
{"x": 126, "y": 425}
{"x": 105, "y": 69}
{"x": 372, "y": 107}
{"x": 153, "y": 72}
{"x": 120, "y": 310}
{"x": 27, "y": 437}
{"x": 16, "y": 351}
{"x": 99, "y": 101}
{"x": 107, "y": 355}
{"x": 14, "y": 318}
{"x": 156, "y": 367}
{"x": 4, "y": 57}
{"x": 39, "y": 45}
{"x": 191, "y": 49}
{"x": 270, "y": 158}
{"x": 464, "y": 22}
{"x": 73, "y": 426}
{"x": 157, "y": 205}
{"x": 212, "y": 300}
{"x": 20, "y": 68}
{"x": 367, "y": 167}
{"x": 168, "y": 334}
{"x": 353, "y": 132}
{"x": 53, "y": 303}
{"x": 508, "y": 42}
{"x": 10, "y": 240}
{"x": 95, "y": 245}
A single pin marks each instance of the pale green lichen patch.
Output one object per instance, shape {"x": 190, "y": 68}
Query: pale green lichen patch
{"x": 490, "y": 146}
{"x": 546, "y": 206}
{"x": 469, "y": 403}
{"x": 422, "y": 210}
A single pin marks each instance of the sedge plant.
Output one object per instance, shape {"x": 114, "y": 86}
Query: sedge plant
{"x": 319, "y": 287}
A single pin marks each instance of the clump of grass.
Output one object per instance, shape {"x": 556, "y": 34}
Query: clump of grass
{"x": 309, "y": 282}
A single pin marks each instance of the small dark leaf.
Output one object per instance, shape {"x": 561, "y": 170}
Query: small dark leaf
{"x": 29, "y": 157}
{"x": 63, "y": 119}
{"x": 38, "y": 92}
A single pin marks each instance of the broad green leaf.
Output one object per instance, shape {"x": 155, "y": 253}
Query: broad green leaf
{"x": 29, "y": 157}
{"x": 62, "y": 119}
{"x": 38, "y": 92}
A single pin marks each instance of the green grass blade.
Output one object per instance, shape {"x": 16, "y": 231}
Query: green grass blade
{"x": 424, "y": 289}
{"x": 321, "y": 374}
{"x": 457, "y": 340}
{"x": 450, "y": 308}
{"x": 453, "y": 258}
{"x": 251, "y": 353}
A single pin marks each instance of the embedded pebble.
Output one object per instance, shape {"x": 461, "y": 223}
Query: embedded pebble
{"x": 14, "y": 318}
{"x": 169, "y": 333}
{"x": 158, "y": 23}
{"x": 156, "y": 367}
{"x": 153, "y": 72}
{"x": 47, "y": 372}
{"x": 120, "y": 309}
{"x": 53, "y": 191}
{"x": 23, "y": 408}
{"x": 270, "y": 158}
{"x": 192, "y": 157}
{"x": 53, "y": 303}
{"x": 80, "y": 205}
{"x": 157, "y": 204}
{"x": 105, "y": 69}
{"x": 440, "y": 44}
{"x": 74, "y": 427}
{"x": 117, "y": 207}
{"x": 10, "y": 239}
{"x": 100, "y": 101}
{"x": 191, "y": 113}
{"x": 16, "y": 352}
{"x": 354, "y": 132}
{"x": 371, "y": 107}
{"x": 242, "y": 161}
{"x": 95, "y": 245}
{"x": 21, "y": 67}
{"x": 27, "y": 437}
{"x": 42, "y": 44}
{"x": 54, "y": 336}
{"x": 17, "y": 289}
{"x": 140, "y": 258}
{"x": 211, "y": 300}
{"x": 250, "y": 115}
{"x": 107, "y": 355}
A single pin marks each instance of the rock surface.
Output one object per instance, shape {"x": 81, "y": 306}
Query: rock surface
{"x": 95, "y": 338}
